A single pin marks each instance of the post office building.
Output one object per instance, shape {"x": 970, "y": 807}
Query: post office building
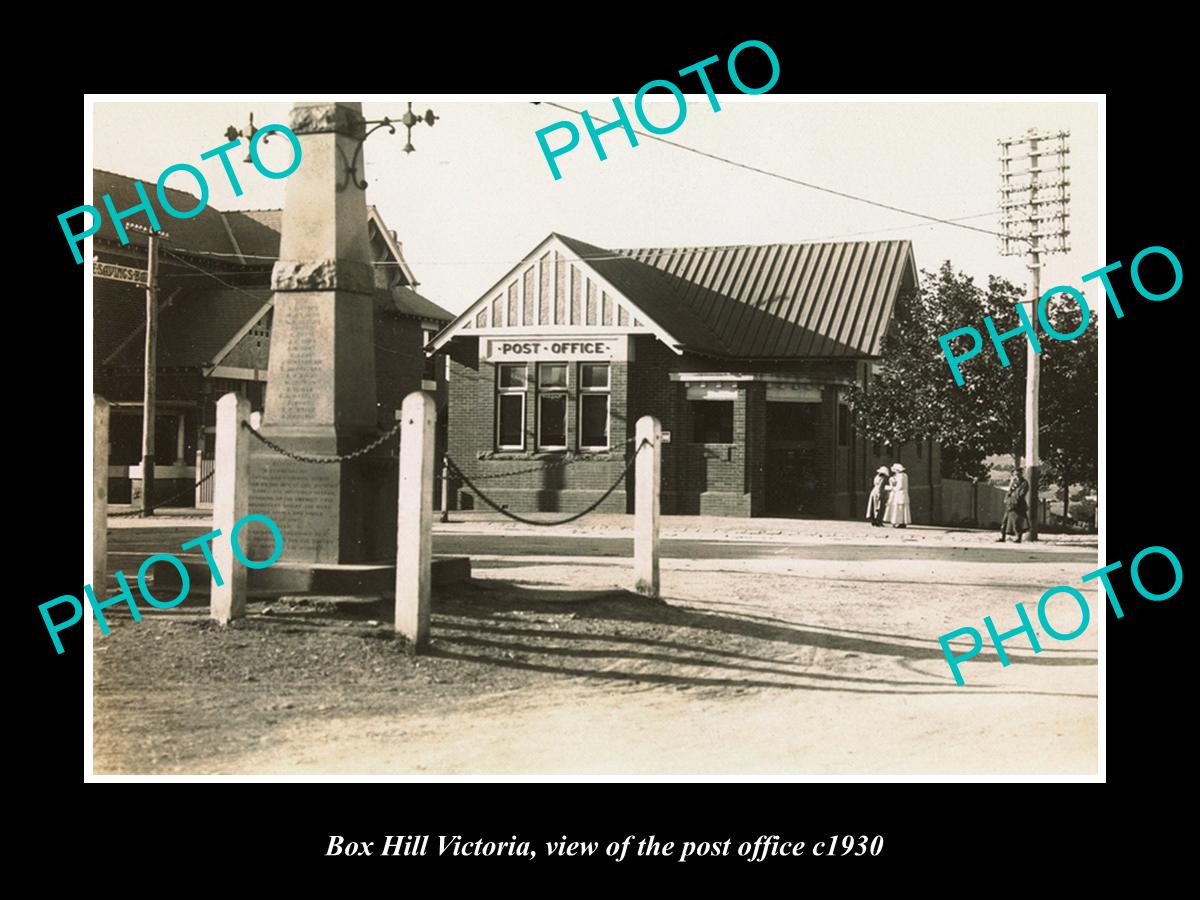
{"x": 744, "y": 353}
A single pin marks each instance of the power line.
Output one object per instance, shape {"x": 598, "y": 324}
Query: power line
{"x": 232, "y": 287}
{"x": 788, "y": 178}
{"x": 673, "y": 252}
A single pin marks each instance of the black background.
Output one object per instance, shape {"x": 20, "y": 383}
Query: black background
{"x": 956, "y": 836}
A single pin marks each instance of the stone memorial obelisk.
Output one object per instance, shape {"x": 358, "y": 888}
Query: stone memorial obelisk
{"x": 320, "y": 396}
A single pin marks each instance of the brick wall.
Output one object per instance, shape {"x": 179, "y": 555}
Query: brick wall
{"x": 561, "y": 488}
{"x": 710, "y": 479}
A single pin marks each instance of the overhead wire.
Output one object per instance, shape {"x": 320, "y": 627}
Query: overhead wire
{"x": 665, "y": 252}
{"x": 788, "y": 178}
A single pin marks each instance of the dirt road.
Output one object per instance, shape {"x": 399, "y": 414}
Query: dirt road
{"x": 545, "y": 666}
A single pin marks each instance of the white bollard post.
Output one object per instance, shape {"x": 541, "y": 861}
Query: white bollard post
{"x": 414, "y": 531}
{"x": 231, "y": 501}
{"x": 99, "y": 494}
{"x": 646, "y": 502}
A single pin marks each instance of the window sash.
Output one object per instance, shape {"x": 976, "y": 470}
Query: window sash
{"x": 589, "y": 398}
{"x": 512, "y": 367}
{"x": 543, "y": 368}
{"x": 544, "y": 444}
{"x": 504, "y": 391}
{"x": 595, "y": 388}
{"x": 500, "y": 398}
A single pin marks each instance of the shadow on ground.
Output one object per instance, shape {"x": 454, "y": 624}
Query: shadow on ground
{"x": 617, "y": 635}
{"x": 497, "y": 622}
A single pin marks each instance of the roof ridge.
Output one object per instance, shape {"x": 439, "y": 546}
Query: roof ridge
{"x": 660, "y": 277}
{"x": 626, "y": 251}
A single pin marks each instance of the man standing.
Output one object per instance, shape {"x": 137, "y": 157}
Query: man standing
{"x": 1016, "y": 509}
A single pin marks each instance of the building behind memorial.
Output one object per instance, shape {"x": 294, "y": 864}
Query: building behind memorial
{"x": 744, "y": 353}
{"x": 214, "y": 329}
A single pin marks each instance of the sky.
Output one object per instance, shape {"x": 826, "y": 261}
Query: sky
{"x": 478, "y": 195}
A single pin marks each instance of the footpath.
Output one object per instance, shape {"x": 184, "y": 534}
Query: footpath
{"x": 696, "y": 528}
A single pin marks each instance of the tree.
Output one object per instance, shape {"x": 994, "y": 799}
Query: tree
{"x": 891, "y": 411}
{"x": 915, "y": 396}
{"x": 1070, "y": 376}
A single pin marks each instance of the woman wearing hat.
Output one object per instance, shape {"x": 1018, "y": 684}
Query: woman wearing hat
{"x": 898, "y": 513}
{"x": 876, "y": 502}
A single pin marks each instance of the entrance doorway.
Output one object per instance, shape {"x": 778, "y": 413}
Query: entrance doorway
{"x": 792, "y": 487}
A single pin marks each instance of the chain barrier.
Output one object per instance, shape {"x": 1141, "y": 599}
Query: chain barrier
{"x": 169, "y": 500}
{"x": 301, "y": 457}
{"x": 456, "y": 472}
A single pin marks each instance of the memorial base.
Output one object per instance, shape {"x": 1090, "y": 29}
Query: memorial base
{"x": 328, "y": 513}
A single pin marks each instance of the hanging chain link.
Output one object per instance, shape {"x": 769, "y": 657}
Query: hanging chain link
{"x": 304, "y": 458}
{"x": 171, "y": 499}
{"x": 557, "y": 464}
{"x": 456, "y": 472}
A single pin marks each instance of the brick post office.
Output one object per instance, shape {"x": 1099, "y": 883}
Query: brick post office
{"x": 744, "y": 353}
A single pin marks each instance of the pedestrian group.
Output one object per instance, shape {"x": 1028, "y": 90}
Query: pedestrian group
{"x": 895, "y": 509}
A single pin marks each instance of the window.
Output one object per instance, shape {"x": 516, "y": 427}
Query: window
{"x": 843, "y": 425}
{"x": 593, "y": 406}
{"x": 510, "y": 406}
{"x": 792, "y": 422}
{"x": 552, "y": 406}
{"x": 431, "y": 361}
{"x": 712, "y": 421}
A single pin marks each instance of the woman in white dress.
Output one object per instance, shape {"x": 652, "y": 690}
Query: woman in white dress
{"x": 898, "y": 511}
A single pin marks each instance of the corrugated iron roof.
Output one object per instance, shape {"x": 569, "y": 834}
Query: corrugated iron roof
{"x": 644, "y": 285}
{"x": 770, "y": 301}
{"x": 203, "y": 232}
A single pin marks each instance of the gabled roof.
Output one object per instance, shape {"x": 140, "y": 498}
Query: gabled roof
{"x": 204, "y": 233}
{"x": 248, "y": 237}
{"x": 409, "y": 303}
{"x": 553, "y": 287}
{"x": 199, "y": 320}
{"x": 773, "y": 301}
{"x": 645, "y": 288}
{"x": 193, "y": 327}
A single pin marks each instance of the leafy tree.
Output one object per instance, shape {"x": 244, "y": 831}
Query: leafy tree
{"x": 915, "y": 396}
{"x": 1068, "y": 400}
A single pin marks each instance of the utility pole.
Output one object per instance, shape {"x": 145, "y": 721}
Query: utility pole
{"x": 1034, "y": 219}
{"x": 149, "y": 385}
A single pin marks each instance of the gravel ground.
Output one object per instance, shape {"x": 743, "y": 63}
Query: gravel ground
{"x": 547, "y": 666}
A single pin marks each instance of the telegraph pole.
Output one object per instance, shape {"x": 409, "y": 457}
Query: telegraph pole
{"x": 149, "y": 385}
{"x": 1027, "y": 221}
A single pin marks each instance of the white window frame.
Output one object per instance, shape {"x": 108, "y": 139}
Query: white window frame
{"x": 508, "y": 391}
{"x": 564, "y": 392}
{"x": 593, "y": 391}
